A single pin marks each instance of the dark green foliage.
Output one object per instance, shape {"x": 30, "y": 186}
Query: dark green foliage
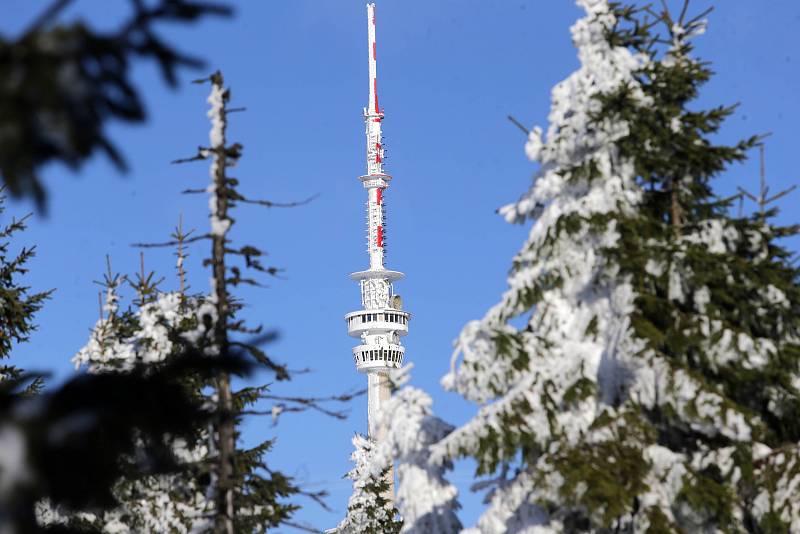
{"x": 612, "y": 474}
{"x": 709, "y": 499}
{"x": 737, "y": 277}
{"x": 17, "y": 304}
{"x": 60, "y": 85}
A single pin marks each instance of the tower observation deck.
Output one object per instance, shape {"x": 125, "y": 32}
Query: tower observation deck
{"x": 381, "y": 321}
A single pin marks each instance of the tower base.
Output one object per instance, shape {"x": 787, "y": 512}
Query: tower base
{"x": 379, "y": 391}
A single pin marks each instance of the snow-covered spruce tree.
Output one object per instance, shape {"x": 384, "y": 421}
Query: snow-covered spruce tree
{"x": 641, "y": 371}
{"x": 17, "y": 305}
{"x": 426, "y": 500}
{"x": 368, "y": 509}
{"x": 159, "y": 327}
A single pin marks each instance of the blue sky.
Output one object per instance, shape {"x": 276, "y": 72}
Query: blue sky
{"x": 449, "y": 72}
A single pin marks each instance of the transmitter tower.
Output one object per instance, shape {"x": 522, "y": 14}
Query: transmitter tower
{"x": 381, "y": 321}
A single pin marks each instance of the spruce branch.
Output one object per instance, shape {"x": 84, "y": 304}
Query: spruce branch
{"x": 139, "y": 36}
{"x": 173, "y": 242}
{"x": 145, "y": 285}
{"x": 303, "y": 527}
{"x": 239, "y": 326}
{"x": 281, "y": 372}
{"x": 200, "y": 156}
{"x": 700, "y": 16}
{"x": 301, "y": 404}
{"x": 47, "y": 16}
{"x": 762, "y": 198}
{"x": 318, "y": 497}
{"x": 271, "y": 204}
{"x": 518, "y": 124}
{"x": 684, "y": 9}
{"x": 99, "y": 90}
{"x": 180, "y": 237}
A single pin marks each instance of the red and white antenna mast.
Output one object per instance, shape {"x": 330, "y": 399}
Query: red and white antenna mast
{"x": 381, "y": 321}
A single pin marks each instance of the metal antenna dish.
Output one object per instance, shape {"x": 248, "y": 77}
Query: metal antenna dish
{"x": 397, "y": 302}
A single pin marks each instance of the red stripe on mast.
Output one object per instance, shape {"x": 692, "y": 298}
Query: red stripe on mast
{"x": 375, "y": 90}
{"x": 379, "y": 196}
{"x": 380, "y": 237}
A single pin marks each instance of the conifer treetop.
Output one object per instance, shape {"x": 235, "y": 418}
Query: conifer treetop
{"x": 368, "y": 509}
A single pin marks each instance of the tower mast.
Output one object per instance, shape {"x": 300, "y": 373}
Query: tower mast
{"x": 380, "y": 322}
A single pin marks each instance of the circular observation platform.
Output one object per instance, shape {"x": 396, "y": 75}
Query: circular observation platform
{"x": 376, "y": 321}
{"x": 377, "y": 358}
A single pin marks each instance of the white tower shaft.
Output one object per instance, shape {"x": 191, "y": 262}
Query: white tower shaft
{"x": 379, "y": 393}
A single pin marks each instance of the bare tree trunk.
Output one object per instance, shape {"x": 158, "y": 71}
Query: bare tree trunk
{"x": 675, "y": 212}
{"x": 226, "y": 445}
